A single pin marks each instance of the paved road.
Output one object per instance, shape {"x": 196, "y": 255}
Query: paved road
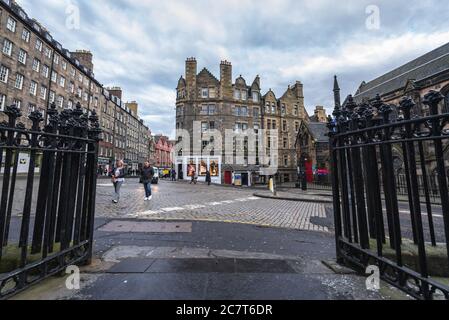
{"x": 181, "y": 201}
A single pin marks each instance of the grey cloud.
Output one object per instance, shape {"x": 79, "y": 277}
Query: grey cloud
{"x": 141, "y": 45}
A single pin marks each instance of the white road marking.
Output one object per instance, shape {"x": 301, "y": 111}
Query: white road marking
{"x": 423, "y": 214}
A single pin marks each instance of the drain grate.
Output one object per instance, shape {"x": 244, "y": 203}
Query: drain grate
{"x": 147, "y": 227}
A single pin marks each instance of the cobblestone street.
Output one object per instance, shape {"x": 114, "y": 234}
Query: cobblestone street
{"x": 181, "y": 201}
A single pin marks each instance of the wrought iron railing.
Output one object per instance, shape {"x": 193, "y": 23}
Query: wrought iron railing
{"x": 372, "y": 227}
{"x": 46, "y": 220}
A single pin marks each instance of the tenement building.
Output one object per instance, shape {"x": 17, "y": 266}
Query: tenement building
{"x": 214, "y": 106}
{"x": 413, "y": 79}
{"x": 36, "y": 71}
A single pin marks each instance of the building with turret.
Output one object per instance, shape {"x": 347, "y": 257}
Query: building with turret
{"x": 222, "y": 104}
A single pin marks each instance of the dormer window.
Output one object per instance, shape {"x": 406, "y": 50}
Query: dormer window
{"x": 204, "y": 93}
{"x": 244, "y": 95}
{"x": 255, "y": 96}
{"x": 237, "y": 94}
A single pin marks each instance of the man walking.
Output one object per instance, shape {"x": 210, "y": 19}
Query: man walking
{"x": 208, "y": 178}
{"x": 146, "y": 179}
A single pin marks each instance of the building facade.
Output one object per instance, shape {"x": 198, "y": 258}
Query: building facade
{"x": 163, "y": 152}
{"x": 36, "y": 71}
{"x": 219, "y": 105}
{"x": 413, "y": 79}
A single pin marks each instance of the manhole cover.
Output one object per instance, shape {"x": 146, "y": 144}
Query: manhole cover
{"x": 147, "y": 227}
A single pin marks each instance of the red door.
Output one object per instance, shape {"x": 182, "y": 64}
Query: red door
{"x": 309, "y": 171}
{"x": 228, "y": 177}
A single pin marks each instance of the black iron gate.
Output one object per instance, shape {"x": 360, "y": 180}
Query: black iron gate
{"x": 46, "y": 213}
{"x": 374, "y": 224}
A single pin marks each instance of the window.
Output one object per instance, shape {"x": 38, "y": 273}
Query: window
{"x": 267, "y": 108}
{"x": 204, "y": 127}
{"x": 47, "y": 52}
{"x": 244, "y": 112}
{"x": 33, "y": 88}
{"x": 273, "y": 125}
{"x": 52, "y": 96}
{"x": 212, "y": 125}
{"x": 256, "y": 96}
{"x": 256, "y": 112}
{"x": 22, "y": 58}
{"x": 80, "y": 78}
{"x": 244, "y": 95}
{"x": 36, "y": 65}
{"x": 56, "y": 59}
{"x": 7, "y": 47}
{"x": 285, "y": 161}
{"x": 45, "y": 71}
{"x": 54, "y": 76}
{"x": 211, "y": 109}
{"x": 19, "y": 82}
{"x": 62, "y": 81}
{"x": 17, "y": 103}
{"x": 2, "y": 102}
{"x": 26, "y": 35}
{"x": 64, "y": 65}
{"x": 72, "y": 72}
{"x": 296, "y": 126}
{"x": 11, "y": 24}
{"x": 284, "y": 126}
{"x": 237, "y": 94}
{"x": 283, "y": 110}
{"x": 60, "y": 102}
{"x": 273, "y": 108}
{"x": 204, "y": 93}
{"x": 4, "y": 73}
{"x": 43, "y": 93}
{"x": 285, "y": 143}
{"x": 296, "y": 110}
{"x": 70, "y": 104}
{"x": 268, "y": 124}
{"x": 31, "y": 108}
{"x": 38, "y": 45}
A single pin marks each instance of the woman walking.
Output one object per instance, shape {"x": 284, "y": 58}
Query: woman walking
{"x": 118, "y": 178}
{"x": 146, "y": 178}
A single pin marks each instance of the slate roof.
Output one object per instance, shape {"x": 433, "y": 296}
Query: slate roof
{"x": 430, "y": 64}
{"x": 319, "y": 131}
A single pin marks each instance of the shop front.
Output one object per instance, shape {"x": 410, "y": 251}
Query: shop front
{"x": 188, "y": 166}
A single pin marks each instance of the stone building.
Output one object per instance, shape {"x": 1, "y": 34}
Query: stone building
{"x": 221, "y": 105}
{"x": 414, "y": 79}
{"x": 36, "y": 71}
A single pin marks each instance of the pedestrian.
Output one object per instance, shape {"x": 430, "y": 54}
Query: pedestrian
{"x": 193, "y": 174}
{"x": 173, "y": 174}
{"x": 118, "y": 178}
{"x": 208, "y": 178}
{"x": 146, "y": 179}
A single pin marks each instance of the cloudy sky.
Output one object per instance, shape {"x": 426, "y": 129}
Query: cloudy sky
{"x": 142, "y": 45}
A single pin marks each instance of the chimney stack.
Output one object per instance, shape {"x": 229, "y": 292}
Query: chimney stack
{"x": 226, "y": 79}
{"x": 191, "y": 72}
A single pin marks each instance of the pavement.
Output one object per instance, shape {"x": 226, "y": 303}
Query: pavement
{"x": 210, "y": 243}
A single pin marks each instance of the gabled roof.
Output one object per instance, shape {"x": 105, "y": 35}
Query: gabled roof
{"x": 270, "y": 93}
{"x": 206, "y": 75}
{"x": 319, "y": 131}
{"x": 181, "y": 82}
{"x": 432, "y": 63}
{"x": 256, "y": 84}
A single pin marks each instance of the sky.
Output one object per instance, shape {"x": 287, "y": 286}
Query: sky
{"x": 142, "y": 45}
